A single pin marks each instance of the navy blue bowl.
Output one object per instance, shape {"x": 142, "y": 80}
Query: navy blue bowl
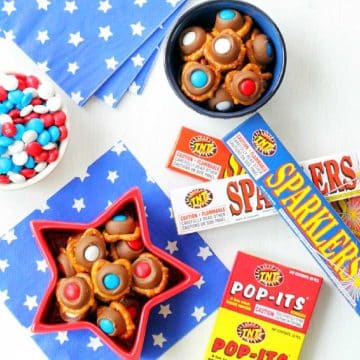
{"x": 204, "y": 15}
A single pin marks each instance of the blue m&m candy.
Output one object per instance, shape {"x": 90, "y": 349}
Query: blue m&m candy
{"x": 119, "y": 217}
{"x": 35, "y": 124}
{"x": 269, "y": 49}
{"x": 227, "y": 14}
{"x": 199, "y": 78}
{"x": 5, "y": 165}
{"x": 106, "y": 326}
{"x": 111, "y": 281}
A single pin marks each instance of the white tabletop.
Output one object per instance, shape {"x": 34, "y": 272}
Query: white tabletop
{"x": 315, "y": 113}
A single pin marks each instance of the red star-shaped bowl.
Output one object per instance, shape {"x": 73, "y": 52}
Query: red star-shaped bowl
{"x": 52, "y": 235}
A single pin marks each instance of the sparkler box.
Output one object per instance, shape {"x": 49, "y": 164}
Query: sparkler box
{"x": 300, "y": 203}
{"x": 265, "y": 311}
{"x": 237, "y": 198}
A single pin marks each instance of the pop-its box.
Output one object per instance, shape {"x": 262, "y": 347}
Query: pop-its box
{"x": 300, "y": 203}
{"x": 265, "y": 311}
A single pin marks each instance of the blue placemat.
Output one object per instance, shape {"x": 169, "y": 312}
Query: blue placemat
{"x": 115, "y": 88}
{"x": 24, "y": 275}
{"x": 82, "y": 43}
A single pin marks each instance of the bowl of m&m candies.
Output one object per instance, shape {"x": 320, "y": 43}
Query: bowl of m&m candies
{"x": 33, "y": 130}
{"x": 225, "y": 58}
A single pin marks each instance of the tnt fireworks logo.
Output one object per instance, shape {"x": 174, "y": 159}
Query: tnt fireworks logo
{"x": 264, "y": 142}
{"x": 268, "y": 275}
{"x": 198, "y": 198}
{"x": 203, "y": 146}
{"x": 251, "y": 332}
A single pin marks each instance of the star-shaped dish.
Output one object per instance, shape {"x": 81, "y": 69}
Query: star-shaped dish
{"x": 52, "y": 235}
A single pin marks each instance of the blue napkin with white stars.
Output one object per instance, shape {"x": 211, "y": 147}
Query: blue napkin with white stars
{"x": 81, "y": 44}
{"x": 24, "y": 275}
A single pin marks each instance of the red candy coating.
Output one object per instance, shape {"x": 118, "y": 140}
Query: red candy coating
{"x": 135, "y": 244}
{"x": 4, "y": 179}
{"x": 47, "y": 119}
{"x": 21, "y": 77}
{"x": 63, "y": 133}
{"x": 14, "y": 113}
{"x": 32, "y": 81}
{"x": 53, "y": 155}
{"x": 72, "y": 291}
{"x": 142, "y": 269}
{"x": 43, "y": 156}
{"x": 21, "y": 84}
{"x": 59, "y": 118}
{"x": 19, "y": 120}
{"x": 32, "y": 115}
{"x": 33, "y": 148}
{"x": 132, "y": 310}
{"x": 3, "y": 94}
{"x": 36, "y": 101}
{"x": 247, "y": 87}
{"x": 9, "y": 129}
{"x": 28, "y": 173}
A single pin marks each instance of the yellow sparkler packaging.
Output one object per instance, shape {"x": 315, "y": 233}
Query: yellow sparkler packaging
{"x": 300, "y": 203}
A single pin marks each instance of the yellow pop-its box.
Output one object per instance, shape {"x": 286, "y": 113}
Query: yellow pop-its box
{"x": 265, "y": 311}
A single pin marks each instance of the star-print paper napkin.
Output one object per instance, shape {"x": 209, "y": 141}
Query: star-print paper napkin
{"x": 115, "y": 87}
{"x": 82, "y": 43}
{"x": 24, "y": 274}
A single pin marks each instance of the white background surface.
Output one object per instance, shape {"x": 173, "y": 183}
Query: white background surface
{"x": 315, "y": 113}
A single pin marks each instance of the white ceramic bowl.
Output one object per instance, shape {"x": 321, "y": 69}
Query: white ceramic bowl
{"x": 51, "y": 166}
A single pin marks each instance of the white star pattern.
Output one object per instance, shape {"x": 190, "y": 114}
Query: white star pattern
{"x": 9, "y": 35}
{"x": 8, "y": 7}
{"x": 79, "y": 204}
{"x": 109, "y": 99}
{"x": 172, "y": 2}
{"x": 134, "y": 88}
{"x": 105, "y": 32}
{"x": 75, "y": 39}
{"x": 159, "y": 340}
{"x": 137, "y": 29}
{"x": 41, "y": 265}
{"x": 70, "y": 6}
{"x": 165, "y": 310}
{"x": 62, "y": 337}
{"x": 199, "y": 283}
{"x": 119, "y": 148}
{"x": 104, "y": 6}
{"x": 4, "y": 296}
{"x": 112, "y": 176}
{"x": 94, "y": 343}
{"x": 109, "y": 203}
{"x": 84, "y": 176}
{"x": 76, "y": 96}
{"x": 204, "y": 252}
{"x": 43, "y": 4}
{"x": 171, "y": 213}
{"x": 73, "y": 67}
{"x": 31, "y": 302}
{"x": 43, "y": 66}
{"x": 43, "y": 36}
{"x": 198, "y": 313}
{"x": 111, "y": 63}
{"x": 149, "y": 178}
{"x": 44, "y": 207}
{"x": 138, "y": 60}
{"x": 9, "y": 237}
{"x": 172, "y": 246}
{"x": 4, "y": 264}
{"x": 140, "y": 3}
